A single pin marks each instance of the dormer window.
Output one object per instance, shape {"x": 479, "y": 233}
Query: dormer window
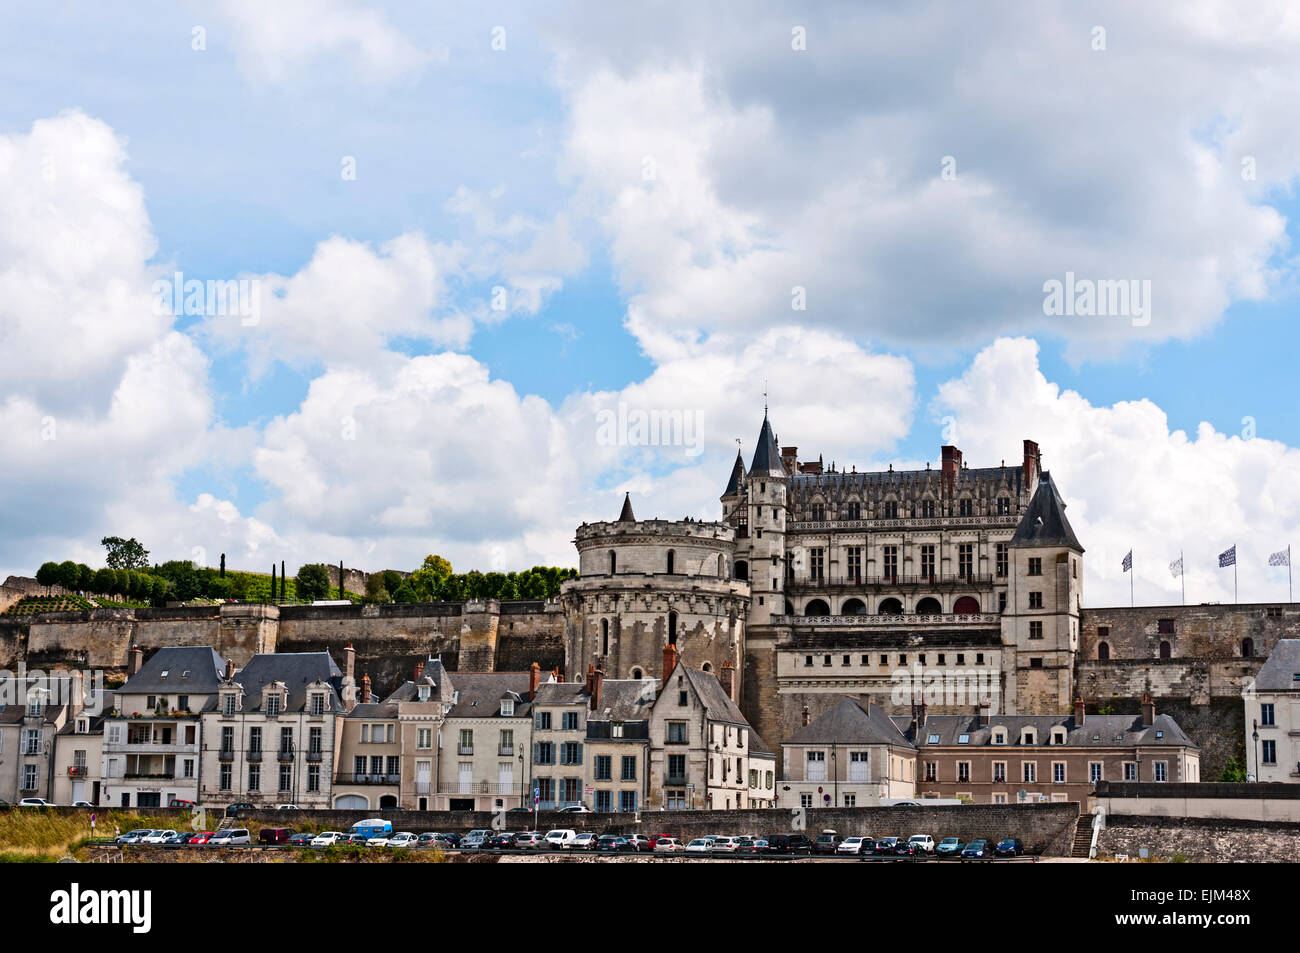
{"x": 1058, "y": 737}
{"x": 272, "y": 706}
{"x": 963, "y": 739}
{"x": 424, "y": 693}
{"x": 228, "y": 704}
{"x": 318, "y": 703}
{"x": 83, "y": 726}
{"x": 999, "y": 736}
{"x": 1028, "y": 737}
{"x": 934, "y": 738}
{"x": 508, "y": 707}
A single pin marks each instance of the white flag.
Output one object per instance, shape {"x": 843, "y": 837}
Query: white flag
{"x": 1280, "y": 558}
{"x": 1176, "y": 567}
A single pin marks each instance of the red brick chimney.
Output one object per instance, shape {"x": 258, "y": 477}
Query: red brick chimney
{"x": 591, "y": 676}
{"x": 135, "y": 660}
{"x": 951, "y": 467}
{"x": 534, "y": 679}
{"x": 419, "y": 670}
{"x": 597, "y": 683}
{"x": 807, "y": 716}
{"x": 728, "y": 679}
{"x": 670, "y": 661}
{"x": 790, "y": 458}
{"x": 365, "y": 689}
{"x": 1148, "y": 711}
{"x": 1079, "y": 712}
{"x": 1031, "y": 463}
{"x": 559, "y": 676}
{"x": 349, "y": 661}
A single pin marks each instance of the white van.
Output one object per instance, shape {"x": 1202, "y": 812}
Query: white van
{"x": 561, "y": 840}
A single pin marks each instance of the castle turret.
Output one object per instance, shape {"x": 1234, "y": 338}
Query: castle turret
{"x": 765, "y": 503}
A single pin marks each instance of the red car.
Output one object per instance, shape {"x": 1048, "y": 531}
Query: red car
{"x": 202, "y": 838}
{"x": 654, "y": 839}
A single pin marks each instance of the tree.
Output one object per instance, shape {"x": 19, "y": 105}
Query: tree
{"x": 69, "y": 575}
{"x": 375, "y": 591}
{"x": 405, "y": 593}
{"x": 125, "y": 553}
{"x": 183, "y": 577}
{"x": 392, "y": 579}
{"x": 313, "y": 582}
{"x": 84, "y": 575}
{"x": 1234, "y": 772}
{"x": 103, "y": 581}
{"x": 48, "y": 574}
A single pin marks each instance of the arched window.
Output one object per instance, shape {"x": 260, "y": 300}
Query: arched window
{"x": 742, "y": 570}
{"x": 672, "y": 628}
{"x": 1247, "y": 648}
{"x": 890, "y": 606}
{"x": 853, "y": 607}
{"x": 929, "y": 606}
{"x": 613, "y": 562}
{"x": 706, "y": 667}
{"x": 1103, "y": 651}
{"x": 671, "y": 560}
{"x": 637, "y": 673}
{"x": 1165, "y": 650}
{"x": 604, "y": 636}
{"x": 966, "y": 604}
{"x": 817, "y": 607}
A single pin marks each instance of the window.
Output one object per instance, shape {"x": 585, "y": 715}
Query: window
{"x": 228, "y": 705}
{"x": 927, "y": 561}
{"x": 891, "y": 562}
{"x": 963, "y": 770}
{"x": 1004, "y": 506}
{"x": 816, "y": 766}
{"x": 1247, "y": 648}
{"x": 545, "y": 752}
{"x": 254, "y": 777}
{"x": 1001, "y": 558}
{"x": 571, "y": 752}
{"x": 1035, "y": 663}
{"x": 805, "y": 800}
{"x": 31, "y": 777}
{"x": 855, "y": 561}
{"x": 272, "y": 705}
{"x": 677, "y": 768}
{"x": 317, "y": 703}
{"x": 1162, "y": 770}
{"x": 966, "y": 507}
{"x": 604, "y": 767}
{"x": 1029, "y": 772}
{"x": 1035, "y": 566}
{"x": 890, "y": 511}
{"x": 424, "y": 738}
{"x": 286, "y": 777}
{"x": 627, "y": 801}
{"x": 1165, "y": 627}
{"x": 1266, "y": 716}
{"x": 1036, "y": 629}
{"x": 965, "y": 559}
{"x": 569, "y": 721}
{"x": 931, "y": 771}
{"x": 858, "y": 766}
{"x": 1103, "y": 651}
{"x": 999, "y": 772}
{"x": 850, "y": 800}
{"x": 313, "y": 778}
{"x": 934, "y": 739}
{"x": 223, "y": 777}
{"x": 1095, "y": 772}
{"x": 1165, "y": 650}
{"x": 1130, "y": 771}
{"x": 1058, "y": 772}
{"x": 818, "y": 511}
{"x": 927, "y": 509}
{"x": 507, "y": 707}
{"x": 816, "y": 564}
{"x": 963, "y": 739}
{"x": 629, "y": 768}
{"x": 1268, "y": 751}
{"x": 314, "y": 741}
{"x": 1035, "y": 600}
{"x": 677, "y": 732}
{"x": 544, "y": 721}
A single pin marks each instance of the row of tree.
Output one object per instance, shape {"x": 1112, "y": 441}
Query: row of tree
{"x": 435, "y": 581}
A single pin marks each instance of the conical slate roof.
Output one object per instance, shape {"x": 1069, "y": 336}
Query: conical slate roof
{"x": 1044, "y": 522}
{"x": 626, "y": 516}
{"x": 736, "y": 481}
{"x": 767, "y": 457}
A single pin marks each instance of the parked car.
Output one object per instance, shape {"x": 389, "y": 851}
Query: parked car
{"x": 852, "y": 845}
{"x": 826, "y": 843}
{"x": 745, "y": 845}
{"x": 761, "y": 845}
{"x": 1009, "y": 847}
{"x": 403, "y": 839}
{"x": 274, "y": 835}
{"x": 157, "y": 837}
{"x": 586, "y": 840}
{"x": 561, "y": 839}
{"x": 611, "y": 842}
{"x": 503, "y": 841}
{"x": 287, "y": 807}
{"x": 231, "y": 837}
{"x": 356, "y": 840}
{"x": 575, "y": 809}
{"x": 530, "y": 840}
{"x": 789, "y": 844}
{"x": 179, "y": 802}
{"x": 904, "y": 848}
{"x": 380, "y": 841}
{"x": 700, "y": 845}
{"x": 133, "y": 837}
{"x": 35, "y": 802}
{"x": 923, "y": 843}
{"x": 327, "y": 838}
{"x": 981, "y": 848}
{"x": 435, "y": 839}
{"x": 667, "y": 845}
{"x": 884, "y": 846}
{"x": 179, "y": 839}
{"x": 638, "y": 842}
{"x": 950, "y": 847}
{"x": 302, "y": 839}
{"x": 202, "y": 837}
{"x": 80, "y": 804}
{"x": 232, "y": 810}
{"x": 476, "y": 840}
{"x": 724, "y": 845}
{"x": 452, "y": 839}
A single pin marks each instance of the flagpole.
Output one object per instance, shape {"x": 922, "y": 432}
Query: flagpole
{"x": 1234, "y": 574}
{"x": 1131, "y": 573}
{"x": 1289, "y": 596}
{"x": 1182, "y": 575}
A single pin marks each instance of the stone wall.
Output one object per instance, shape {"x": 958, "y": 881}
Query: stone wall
{"x": 1199, "y": 840}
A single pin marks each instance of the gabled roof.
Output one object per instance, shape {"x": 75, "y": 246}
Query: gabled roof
{"x": 1281, "y": 673}
{"x": 1097, "y": 731}
{"x": 297, "y": 670}
{"x": 625, "y": 699}
{"x": 479, "y": 694}
{"x": 736, "y": 482}
{"x": 179, "y": 669}
{"x": 851, "y": 722}
{"x": 1044, "y": 522}
{"x": 626, "y": 515}
{"x": 767, "y": 457}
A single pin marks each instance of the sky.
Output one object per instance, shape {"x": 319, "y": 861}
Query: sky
{"x": 467, "y": 275}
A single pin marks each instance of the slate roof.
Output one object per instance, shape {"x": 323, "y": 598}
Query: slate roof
{"x": 562, "y": 693}
{"x": 736, "y": 482}
{"x": 297, "y": 670}
{"x": 205, "y": 668}
{"x": 96, "y": 726}
{"x": 626, "y": 515}
{"x": 479, "y": 694}
{"x": 1097, "y": 731}
{"x": 1044, "y": 522}
{"x": 767, "y": 457}
{"x": 851, "y": 722}
{"x": 875, "y": 482}
{"x": 625, "y": 699}
{"x": 1281, "y": 673}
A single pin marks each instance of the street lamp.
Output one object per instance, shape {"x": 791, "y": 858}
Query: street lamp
{"x": 1254, "y": 736}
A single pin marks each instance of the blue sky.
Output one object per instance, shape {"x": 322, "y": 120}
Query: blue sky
{"x": 525, "y": 168}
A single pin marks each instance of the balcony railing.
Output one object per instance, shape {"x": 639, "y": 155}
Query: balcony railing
{"x": 900, "y": 580}
{"x": 254, "y": 754}
{"x": 226, "y": 754}
{"x": 367, "y": 779}
{"x": 285, "y": 754}
{"x": 464, "y": 749}
{"x": 1009, "y": 520}
{"x": 891, "y": 620}
{"x": 675, "y": 780}
{"x": 505, "y": 751}
{"x": 315, "y": 754}
{"x": 76, "y": 770}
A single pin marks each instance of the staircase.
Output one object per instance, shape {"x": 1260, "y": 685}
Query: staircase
{"x": 1082, "y": 836}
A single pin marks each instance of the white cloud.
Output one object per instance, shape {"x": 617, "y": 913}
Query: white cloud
{"x": 1131, "y": 482}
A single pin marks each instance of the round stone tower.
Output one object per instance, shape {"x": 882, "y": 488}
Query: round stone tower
{"x": 647, "y": 584}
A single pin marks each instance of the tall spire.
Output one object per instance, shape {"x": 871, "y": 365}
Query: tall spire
{"x": 736, "y": 482}
{"x": 626, "y": 516}
{"x": 767, "y": 457}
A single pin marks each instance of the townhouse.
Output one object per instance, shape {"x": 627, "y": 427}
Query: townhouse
{"x": 78, "y": 764}
{"x": 483, "y": 746}
{"x": 854, "y": 755}
{"x": 269, "y": 735}
{"x": 33, "y": 709}
{"x": 151, "y": 739}
{"x": 618, "y": 742}
{"x": 1273, "y": 716}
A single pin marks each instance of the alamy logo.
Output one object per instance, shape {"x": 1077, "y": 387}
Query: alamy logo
{"x": 75, "y": 906}
{"x": 659, "y": 427}
{"x": 1104, "y": 298}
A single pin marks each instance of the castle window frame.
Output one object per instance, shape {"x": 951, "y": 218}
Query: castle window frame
{"x": 1164, "y": 626}
{"x": 1103, "y": 651}
{"x": 1036, "y": 629}
{"x": 1004, "y": 506}
{"x": 1035, "y": 600}
{"x": 671, "y": 560}
{"x": 1035, "y": 567}
{"x": 965, "y": 506}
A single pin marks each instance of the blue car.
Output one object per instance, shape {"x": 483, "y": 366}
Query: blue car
{"x": 981, "y": 848}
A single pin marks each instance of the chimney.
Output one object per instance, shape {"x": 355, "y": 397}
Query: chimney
{"x": 78, "y": 691}
{"x": 597, "y": 682}
{"x": 1148, "y": 711}
{"x": 790, "y": 458}
{"x": 135, "y": 660}
{"x": 1079, "y": 712}
{"x": 419, "y": 670}
{"x": 365, "y": 689}
{"x": 918, "y": 714}
{"x": 670, "y": 661}
{"x": 559, "y": 676}
{"x": 951, "y": 467}
{"x": 807, "y": 716}
{"x": 230, "y": 669}
{"x": 349, "y": 661}
{"x": 1031, "y": 464}
{"x": 728, "y": 679}
{"x": 981, "y": 716}
{"x": 534, "y": 679}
